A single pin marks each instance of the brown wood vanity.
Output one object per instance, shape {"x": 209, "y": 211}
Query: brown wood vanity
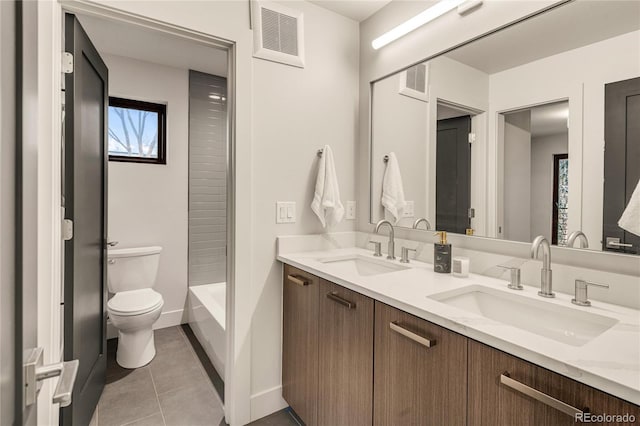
{"x": 350, "y": 360}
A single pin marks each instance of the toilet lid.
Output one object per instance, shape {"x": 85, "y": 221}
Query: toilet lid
{"x": 134, "y": 302}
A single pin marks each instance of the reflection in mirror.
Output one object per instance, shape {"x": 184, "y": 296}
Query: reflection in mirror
{"x": 503, "y": 137}
{"x": 535, "y": 173}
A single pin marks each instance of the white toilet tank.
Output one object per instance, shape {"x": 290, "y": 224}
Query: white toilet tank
{"x": 132, "y": 268}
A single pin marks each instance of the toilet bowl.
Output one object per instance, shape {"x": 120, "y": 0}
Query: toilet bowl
{"x": 135, "y": 306}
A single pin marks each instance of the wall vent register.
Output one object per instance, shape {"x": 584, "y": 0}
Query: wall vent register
{"x": 414, "y": 82}
{"x": 278, "y": 34}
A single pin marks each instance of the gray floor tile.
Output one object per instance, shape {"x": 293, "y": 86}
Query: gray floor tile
{"x": 94, "y": 418}
{"x": 192, "y": 406}
{"x": 279, "y": 418}
{"x": 154, "y": 420}
{"x": 127, "y": 399}
{"x": 175, "y": 367}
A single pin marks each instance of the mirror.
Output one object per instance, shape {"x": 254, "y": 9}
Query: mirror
{"x": 512, "y": 136}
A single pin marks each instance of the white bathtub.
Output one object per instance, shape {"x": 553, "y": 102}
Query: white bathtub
{"x": 207, "y": 320}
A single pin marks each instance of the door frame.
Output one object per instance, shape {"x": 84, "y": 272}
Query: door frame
{"x": 237, "y": 404}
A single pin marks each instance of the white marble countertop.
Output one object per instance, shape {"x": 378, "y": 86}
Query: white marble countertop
{"x": 609, "y": 362}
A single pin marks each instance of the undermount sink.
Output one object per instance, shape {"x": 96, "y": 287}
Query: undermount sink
{"x": 563, "y": 324}
{"x": 361, "y": 265}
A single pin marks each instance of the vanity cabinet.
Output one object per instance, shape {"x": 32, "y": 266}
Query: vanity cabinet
{"x": 420, "y": 373}
{"x": 348, "y": 360}
{"x": 345, "y": 358}
{"x": 505, "y": 390}
{"x": 301, "y": 292}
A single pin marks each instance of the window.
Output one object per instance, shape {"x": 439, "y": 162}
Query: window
{"x": 137, "y": 131}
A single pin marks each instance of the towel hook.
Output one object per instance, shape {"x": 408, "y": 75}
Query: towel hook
{"x": 385, "y": 159}
{"x": 320, "y": 152}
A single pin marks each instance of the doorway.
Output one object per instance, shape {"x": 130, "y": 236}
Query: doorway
{"x": 148, "y": 193}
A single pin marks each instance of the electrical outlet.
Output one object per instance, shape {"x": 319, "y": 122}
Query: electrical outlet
{"x": 351, "y": 210}
{"x": 286, "y": 212}
{"x": 408, "y": 210}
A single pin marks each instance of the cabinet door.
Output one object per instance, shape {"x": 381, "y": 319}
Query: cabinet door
{"x": 346, "y": 357}
{"x": 300, "y": 343}
{"x": 420, "y": 371}
{"x": 494, "y": 401}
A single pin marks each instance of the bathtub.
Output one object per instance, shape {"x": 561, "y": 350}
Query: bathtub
{"x": 207, "y": 320}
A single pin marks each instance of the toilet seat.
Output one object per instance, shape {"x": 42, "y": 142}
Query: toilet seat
{"x": 134, "y": 302}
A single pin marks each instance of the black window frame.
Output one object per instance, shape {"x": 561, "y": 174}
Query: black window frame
{"x": 161, "y": 110}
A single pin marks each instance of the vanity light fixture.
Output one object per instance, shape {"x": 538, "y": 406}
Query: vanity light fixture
{"x": 435, "y": 11}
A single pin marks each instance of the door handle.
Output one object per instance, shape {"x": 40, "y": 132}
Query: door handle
{"x": 344, "y": 302}
{"x": 35, "y": 372}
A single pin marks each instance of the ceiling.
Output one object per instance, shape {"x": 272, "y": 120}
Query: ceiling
{"x": 568, "y": 27}
{"x": 358, "y": 10}
{"x": 550, "y": 119}
{"x": 145, "y": 44}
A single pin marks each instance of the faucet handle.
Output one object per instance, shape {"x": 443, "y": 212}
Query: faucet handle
{"x": 404, "y": 258}
{"x": 581, "y": 298}
{"x": 377, "y": 248}
{"x": 514, "y": 282}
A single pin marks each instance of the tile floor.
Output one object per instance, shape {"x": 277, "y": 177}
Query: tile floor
{"x": 172, "y": 390}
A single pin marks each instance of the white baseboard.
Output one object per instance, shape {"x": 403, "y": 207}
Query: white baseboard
{"x": 167, "y": 319}
{"x": 267, "y": 402}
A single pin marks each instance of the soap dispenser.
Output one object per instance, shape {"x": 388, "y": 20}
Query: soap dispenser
{"x": 442, "y": 254}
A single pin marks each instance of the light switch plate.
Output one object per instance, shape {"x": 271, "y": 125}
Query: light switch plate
{"x": 351, "y": 210}
{"x": 408, "y": 210}
{"x": 286, "y": 212}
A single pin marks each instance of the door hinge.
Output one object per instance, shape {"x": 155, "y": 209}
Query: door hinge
{"x": 67, "y": 229}
{"x": 472, "y": 213}
{"x": 472, "y": 137}
{"x": 67, "y": 63}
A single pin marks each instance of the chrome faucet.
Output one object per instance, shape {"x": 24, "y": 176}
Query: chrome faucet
{"x": 546, "y": 284}
{"x": 391, "y": 247}
{"x": 578, "y": 235}
{"x": 419, "y": 221}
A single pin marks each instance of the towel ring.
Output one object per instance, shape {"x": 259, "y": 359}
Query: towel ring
{"x": 385, "y": 159}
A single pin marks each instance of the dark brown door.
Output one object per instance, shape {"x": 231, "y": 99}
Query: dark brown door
{"x": 85, "y": 180}
{"x": 453, "y": 175}
{"x": 416, "y": 384}
{"x": 300, "y": 343}
{"x": 621, "y": 160}
{"x": 493, "y": 403}
{"x": 345, "y": 393}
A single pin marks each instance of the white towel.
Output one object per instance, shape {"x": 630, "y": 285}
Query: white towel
{"x": 326, "y": 202}
{"x": 630, "y": 219}
{"x": 392, "y": 190}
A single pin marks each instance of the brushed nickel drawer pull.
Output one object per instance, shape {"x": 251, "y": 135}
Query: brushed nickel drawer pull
{"x": 340, "y": 300}
{"x": 413, "y": 336}
{"x": 539, "y": 396}
{"x": 298, "y": 280}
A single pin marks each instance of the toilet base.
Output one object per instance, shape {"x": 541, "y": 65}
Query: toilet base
{"x": 135, "y": 348}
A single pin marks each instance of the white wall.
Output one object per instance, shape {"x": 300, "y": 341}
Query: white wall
{"x": 296, "y": 112}
{"x": 543, "y": 149}
{"x": 579, "y": 76}
{"x": 148, "y": 202}
{"x": 517, "y": 182}
{"x": 400, "y": 125}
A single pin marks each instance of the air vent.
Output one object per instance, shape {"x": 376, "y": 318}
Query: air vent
{"x": 277, "y": 33}
{"x": 414, "y": 82}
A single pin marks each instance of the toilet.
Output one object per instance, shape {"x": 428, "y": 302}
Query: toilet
{"x": 135, "y": 306}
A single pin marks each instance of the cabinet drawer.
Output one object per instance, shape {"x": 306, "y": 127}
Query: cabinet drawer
{"x": 300, "y": 343}
{"x": 346, "y": 357}
{"x": 505, "y": 390}
{"x": 420, "y": 373}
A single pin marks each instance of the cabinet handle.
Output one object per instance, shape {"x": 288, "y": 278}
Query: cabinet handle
{"x": 413, "y": 336}
{"x": 340, "y": 300}
{"x": 539, "y": 396}
{"x": 297, "y": 280}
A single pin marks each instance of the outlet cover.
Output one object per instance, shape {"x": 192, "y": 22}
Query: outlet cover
{"x": 350, "y": 214}
{"x": 408, "y": 210}
{"x": 286, "y": 212}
